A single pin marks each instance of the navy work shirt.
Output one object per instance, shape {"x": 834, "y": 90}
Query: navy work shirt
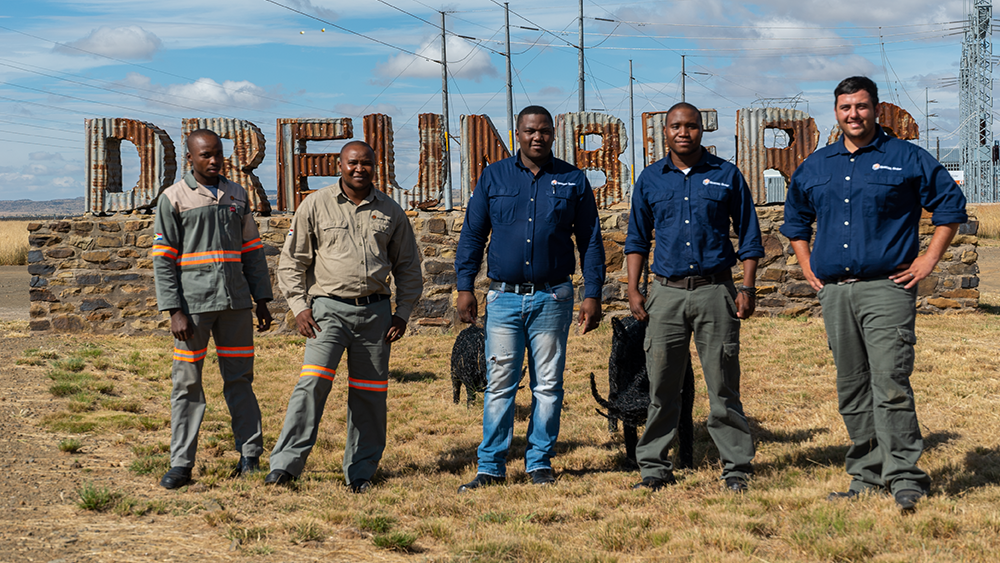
{"x": 866, "y": 206}
{"x": 691, "y": 214}
{"x": 532, "y": 219}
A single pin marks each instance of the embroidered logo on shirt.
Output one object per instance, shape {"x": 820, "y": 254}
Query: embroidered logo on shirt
{"x": 232, "y": 208}
{"x": 290, "y": 231}
{"x": 878, "y": 166}
{"x": 558, "y": 183}
{"x": 707, "y": 182}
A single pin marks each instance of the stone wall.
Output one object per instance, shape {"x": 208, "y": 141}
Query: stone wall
{"x": 94, "y": 274}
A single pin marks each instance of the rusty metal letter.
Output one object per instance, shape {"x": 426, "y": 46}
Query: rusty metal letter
{"x": 430, "y": 178}
{"x": 157, "y": 164}
{"x": 481, "y": 145}
{"x": 571, "y": 129}
{"x": 379, "y": 135}
{"x": 654, "y": 127}
{"x": 754, "y": 157}
{"x": 248, "y": 153}
{"x": 896, "y": 121}
{"x": 295, "y": 165}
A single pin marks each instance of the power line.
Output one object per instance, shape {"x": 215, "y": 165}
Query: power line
{"x": 85, "y": 100}
{"x": 777, "y": 26}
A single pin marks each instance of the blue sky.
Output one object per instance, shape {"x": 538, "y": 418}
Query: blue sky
{"x": 62, "y": 61}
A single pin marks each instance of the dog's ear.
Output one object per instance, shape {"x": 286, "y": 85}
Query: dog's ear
{"x": 617, "y": 326}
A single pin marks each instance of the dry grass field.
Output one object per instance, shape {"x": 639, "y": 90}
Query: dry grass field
{"x": 111, "y": 396}
{"x": 14, "y": 250}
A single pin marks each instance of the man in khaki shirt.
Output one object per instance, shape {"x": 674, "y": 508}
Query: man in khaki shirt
{"x": 345, "y": 241}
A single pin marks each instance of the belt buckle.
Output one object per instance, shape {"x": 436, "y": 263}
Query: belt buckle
{"x": 527, "y": 288}
{"x": 690, "y": 283}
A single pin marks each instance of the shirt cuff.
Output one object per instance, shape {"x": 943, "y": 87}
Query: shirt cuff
{"x": 297, "y": 304}
{"x": 948, "y": 217}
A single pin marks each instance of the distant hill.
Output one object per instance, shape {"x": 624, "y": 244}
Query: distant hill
{"x": 52, "y": 208}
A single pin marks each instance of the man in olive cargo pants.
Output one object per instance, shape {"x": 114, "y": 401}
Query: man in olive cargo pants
{"x": 209, "y": 261}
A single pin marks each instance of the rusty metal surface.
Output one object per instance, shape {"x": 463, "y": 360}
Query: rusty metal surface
{"x": 571, "y": 128}
{"x": 753, "y": 157}
{"x": 157, "y": 164}
{"x": 295, "y": 165}
{"x": 248, "y": 153}
{"x": 895, "y": 120}
{"x": 481, "y": 145}
{"x": 430, "y": 177}
{"x": 654, "y": 137}
{"x": 379, "y": 135}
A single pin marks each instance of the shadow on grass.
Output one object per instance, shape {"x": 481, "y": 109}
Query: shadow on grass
{"x": 403, "y": 376}
{"x": 981, "y": 468}
{"x": 461, "y": 457}
{"x": 989, "y": 309}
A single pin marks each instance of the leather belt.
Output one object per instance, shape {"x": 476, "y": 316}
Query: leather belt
{"x": 523, "y": 288}
{"x": 694, "y": 282}
{"x": 360, "y": 301}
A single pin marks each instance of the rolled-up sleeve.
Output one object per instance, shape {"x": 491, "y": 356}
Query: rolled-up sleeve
{"x": 590, "y": 244}
{"x": 404, "y": 255}
{"x": 640, "y": 222}
{"x": 745, "y": 223}
{"x": 939, "y": 193}
{"x": 475, "y": 231}
{"x": 799, "y": 211}
{"x": 296, "y": 258}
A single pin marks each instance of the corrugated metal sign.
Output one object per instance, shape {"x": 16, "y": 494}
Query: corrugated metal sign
{"x": 754, "y": 157}
{"x": 430, "y": 177}
{"x": 157, "y": 164}
{"x": 295, "y": 165}
{"x": 248, "y": 153}
{"x": 571, "y": 128}
{"x": 481, "y": 145}
{"x": 379, "y": 135}
{"x": 654, "y": 127}
{"x": 895, "y": 120}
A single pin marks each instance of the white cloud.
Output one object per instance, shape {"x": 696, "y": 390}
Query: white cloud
{"x": 465, "y": 60}
{"x": 204, "y": 94}
{"x": 310, "y": 8}
{"x": 128, "y": 42}
{"x": 44, "y": 156}
{"x": 65, "y": 182}
{"x": 36, "y": 169}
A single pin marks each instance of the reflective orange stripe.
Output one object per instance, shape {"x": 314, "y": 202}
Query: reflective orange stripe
{"x": 209, "y": 257}
{"x": 317, "y": 371}
{"x": 252, "y": 245}
{"x": 191, "y": 356}
{"x": 366, "y": 385}
{"x": 234, "y": 352}
{"x": 165, "y": 251}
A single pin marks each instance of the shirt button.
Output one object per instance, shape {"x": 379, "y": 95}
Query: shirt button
{"x": 852, "y": 160}
{"x": 688, "y": 243}
{"x": 691, "y": 267}
{"x": 845, "y": 246}
{"x": 685, "y": 199}
{"x": 847, "y": 201}
{"x": 845, "y": 222}
{"x": 529, "y": 240}
{"x": 527, "y": 263}
{"x": 847, "y": 269}
{"x": 530, "y": 219}
{"x": 532, "y": 199}
{"x": 848, "y": 178}
{"x": 686, "y": 221}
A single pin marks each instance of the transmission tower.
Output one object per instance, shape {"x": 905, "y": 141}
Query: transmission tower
{"x": 976, "y": 105}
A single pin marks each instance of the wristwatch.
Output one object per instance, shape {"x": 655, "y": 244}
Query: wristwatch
{"x": 751, "y": 291}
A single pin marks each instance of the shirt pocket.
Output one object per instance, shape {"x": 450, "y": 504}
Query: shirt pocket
{"x": 887, "y": 195}
{"x": 381, "y": 227}
{"x": 661, "y": 202}
{"x": 333, "y": 234}
{"x": 560, "y": 204}
{"x": 815, "y": 190}
{"x": 503, "y": 206}
{"x": 715, "y": 198}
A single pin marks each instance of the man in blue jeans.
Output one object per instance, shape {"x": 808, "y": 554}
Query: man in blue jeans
{"x": 534, "y": 205}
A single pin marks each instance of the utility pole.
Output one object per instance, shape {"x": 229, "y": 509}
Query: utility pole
{"x": 444, "y": 124}
{"x": 510, "y": 87}
{"x": 582, "y": 96}
{"x": 927, "y": 120}
{"x": 631, "y": 120}
{"x": 683, "y": 76}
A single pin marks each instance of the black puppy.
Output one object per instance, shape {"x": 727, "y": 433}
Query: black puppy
{"x": 468, "y": 363}
{"x": 628, "y": 390}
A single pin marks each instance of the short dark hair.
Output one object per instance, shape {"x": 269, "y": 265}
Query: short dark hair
{"x": 358, "y": 143}
{"x": 854, "y": 85}
{"x": 535, "y": 110}
{"x": 198, "y": 133}
{"x": 685, "y": 105}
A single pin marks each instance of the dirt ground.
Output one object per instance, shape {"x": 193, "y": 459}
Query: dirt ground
{"x": 39, "y": 519}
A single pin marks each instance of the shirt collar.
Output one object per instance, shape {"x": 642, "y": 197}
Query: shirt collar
{"x": 705, "y": 160}
{"x": 368, "y": 199}
{"x": 547, "y": 167}
{"x": 876, "y": 144}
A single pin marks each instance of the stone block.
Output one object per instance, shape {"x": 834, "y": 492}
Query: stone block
{"x": 456, "y": 225}
{"x": 130, "y": 288}
{"x": 38, "y": 310}
{"x": 38, "y": 281}
{"x": 437, "y": 225}
{"x": 96, "y": 290}
{"x": 82, "y": 227}
{"x": 448, "y": 253}
{"x": 69, "y": 323}
{"x": 445, "y": 278}
{"x": 151, "y": 302}
{"x": 109, "y": 227}
{"x": 99, "y": 316}
{"x": 41, "y": 295}
{"x": 614, "y": 256}
{"x": 798, "y": 290}
{"x": 43, "y": 240}
{"x": 121, "y": 277}
{"x": 94, "y": 304}
{"x": 125, "y": 303}
{"x": 417, "y": 224}
{"x": 962, "y": 269}
{"x": 135, "y": 226}
{"x": 430, "y": 251}
{"x": 766, "y": 290}
{"x": 438, "y": 239}
{"x": 32, "y": 227}
{"x": 128, "y": 253}
{"x": 144, "y": 241}
{"x": 944, "y": 303}
{"x": 109, "y": 242}
{"x": 276, "y": 237}
{"x": 964, "y": 239}
{"x": 927, "y": 286}
{"x": 281, "y": 223}
{"x": 61, "y": 308}
{"x": 69, "y": 292}
{"x": 116, "y": 265}
{"x": 773, "y": 250}
{"x": 144, "y": 264}
{"x": 139, "y": 312}
{"x": 771, "y": 275}
{"x": 59, "y": 253}
{"x": 969, "y": 228}
{"x": 961, "y": 294}
{"x": 970, "y": 257}
{"x": 969, "y": 282}
{"x": 41, "y": 325}
{"x": 60, "y": 227}
{"x": 86, "y": 243}
{"x": 795, "y": 311}
{"x": 88, "y": 279}
{"x": 97, "y": 256}
{"x": 271, "y": 250}
{"x": 616, "y": 236}
{"x": 434, "y": 322}
{"x": 35, "y": 256}
{"x": 775, "y": 300}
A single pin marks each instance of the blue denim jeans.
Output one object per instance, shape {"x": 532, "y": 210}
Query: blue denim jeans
{"x": 539, "y": 322}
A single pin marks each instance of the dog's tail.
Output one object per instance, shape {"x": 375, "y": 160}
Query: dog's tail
{"x": 600, "y": 400}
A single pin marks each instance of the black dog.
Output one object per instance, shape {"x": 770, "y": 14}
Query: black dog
{"x": 468, "y": 363}
{"x": 628, "y": 393}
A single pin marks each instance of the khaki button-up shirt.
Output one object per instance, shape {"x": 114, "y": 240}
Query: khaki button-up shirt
{"x": 345, "y": 250}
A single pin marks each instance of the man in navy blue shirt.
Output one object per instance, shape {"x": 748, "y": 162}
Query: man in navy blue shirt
{"x": 865, "y": 194}
{"x": 534, "y": 205}
{"x": 690, "y": 198}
